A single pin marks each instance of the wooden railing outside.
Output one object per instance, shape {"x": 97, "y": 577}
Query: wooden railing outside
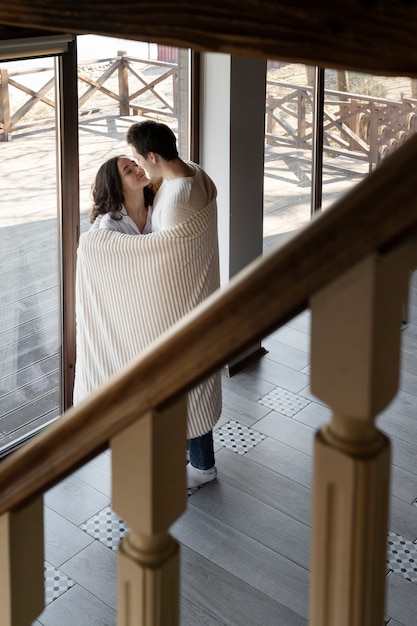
{"x": 363, "y": 251}
{"x": 129, "y": 85}
{"x": 359, "y": 127}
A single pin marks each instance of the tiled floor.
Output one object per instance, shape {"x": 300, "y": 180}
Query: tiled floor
{"x": 245, "y": 538}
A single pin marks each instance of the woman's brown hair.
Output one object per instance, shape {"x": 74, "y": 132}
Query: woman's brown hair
{"x": 107, "y": 191}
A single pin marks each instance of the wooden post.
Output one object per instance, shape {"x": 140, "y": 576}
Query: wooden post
{"x": 22, "y": 565}
{"x": 344, "y": 109}
{"x": 149, "y": 494}
{"x": 270, "y": 124}
{"x": 181, "y": 89}
{"x": 302, "y": 121}
{"x": 5, "y": 119}
{"x": 123, "y": 73}
{"x": 355, "y": 352}
{"x": 373, "y": 137}
{"x": 354, "y": 120}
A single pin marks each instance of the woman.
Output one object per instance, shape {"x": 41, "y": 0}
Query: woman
{"x": 122, "y": 196}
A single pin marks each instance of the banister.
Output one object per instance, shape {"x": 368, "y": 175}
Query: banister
{"x": 377, "y": 214}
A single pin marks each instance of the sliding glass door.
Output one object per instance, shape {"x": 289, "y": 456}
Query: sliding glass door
{"x": 289, "y": 115}
{"x": 65, "y": 106}
{"x": 324, "y": 131}
{"x": 31, "y": 276}
{"x": 121, "y": 82}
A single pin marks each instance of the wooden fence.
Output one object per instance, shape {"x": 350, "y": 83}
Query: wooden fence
{"x": 360, "y": 127}
{"x": 129, "y": 85}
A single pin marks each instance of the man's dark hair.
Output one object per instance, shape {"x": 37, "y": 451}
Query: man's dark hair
{"x": 150, "y": 136}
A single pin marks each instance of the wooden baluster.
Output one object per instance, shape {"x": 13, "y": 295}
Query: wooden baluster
{"x": 355, "y": 352}
{"x": 22, "y": 565}
{"x": 149, "y": 494}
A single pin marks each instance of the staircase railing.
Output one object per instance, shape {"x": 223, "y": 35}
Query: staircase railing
{"x": 351, "y": 265}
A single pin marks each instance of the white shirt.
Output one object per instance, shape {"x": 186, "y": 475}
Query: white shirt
{"x": 125, "y": 224}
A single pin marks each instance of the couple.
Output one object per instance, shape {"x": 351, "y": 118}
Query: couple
{"x": 177, "y": 262}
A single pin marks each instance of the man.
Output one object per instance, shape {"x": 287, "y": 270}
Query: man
{"x": 185, "y": 190}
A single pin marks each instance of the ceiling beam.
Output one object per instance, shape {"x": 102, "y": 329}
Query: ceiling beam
{"x": 377, "y": 36}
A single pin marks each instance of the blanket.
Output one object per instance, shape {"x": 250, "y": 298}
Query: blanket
{"x": 130, "y": 289}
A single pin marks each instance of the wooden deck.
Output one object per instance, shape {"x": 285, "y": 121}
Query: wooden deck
{"x": 245, "y": 539}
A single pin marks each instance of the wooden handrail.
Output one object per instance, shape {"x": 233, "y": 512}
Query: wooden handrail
{"x": 377, "y": 214}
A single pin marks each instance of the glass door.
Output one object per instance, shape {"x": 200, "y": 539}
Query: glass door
{"x": 365, "y": 118}
{"x": 30, "y": 276}
{"x": 289, "y": 116}
{"x": 64, "y": 109}
{"x": 121, "y": 82}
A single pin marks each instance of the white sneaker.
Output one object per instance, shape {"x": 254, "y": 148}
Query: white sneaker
{"x": 197, "y": 477}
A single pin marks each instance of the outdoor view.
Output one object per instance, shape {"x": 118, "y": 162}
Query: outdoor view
{"x": 364, "y": 119}
{"x": 30, "y": 314}
{"x": 29, "y": 319}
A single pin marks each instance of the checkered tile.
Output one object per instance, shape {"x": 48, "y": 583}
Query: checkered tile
{"x": 236, "y": 437}
{"x": 284, "y": 401}
{"x": 56, "y": 583}
{"x": 106, "y": 527}
{"x": 402, "y": 556}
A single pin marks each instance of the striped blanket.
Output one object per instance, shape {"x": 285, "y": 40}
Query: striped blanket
{"x": 130, "y": 289}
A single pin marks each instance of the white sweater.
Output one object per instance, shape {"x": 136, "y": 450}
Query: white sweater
{"x": 179, "y": 199}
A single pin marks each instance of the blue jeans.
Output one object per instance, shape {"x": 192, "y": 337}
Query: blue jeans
{"x": 202, "y": 451}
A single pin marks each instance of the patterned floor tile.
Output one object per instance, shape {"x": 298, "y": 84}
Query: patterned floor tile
{"x": 402, "y": 556}
{"x": 283, "y": 401}
{"x": 236, "y": 437}
{"x": 56, "y": 583}
{"x": 106, "y": 527}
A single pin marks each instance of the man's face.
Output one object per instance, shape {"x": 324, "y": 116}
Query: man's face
{"x": 148, "y": 163}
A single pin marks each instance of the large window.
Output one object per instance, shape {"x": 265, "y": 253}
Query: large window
{"x": 357, "y": 120}
{"x": 119, "y": 82}
{"x": 288, "y": 149}
{"x": 325, "y": 130}
{"x": 29, "y": 310}
{"x": 365, "y": 118}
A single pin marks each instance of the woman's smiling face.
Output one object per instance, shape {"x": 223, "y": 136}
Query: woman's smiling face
{"x": 133, "y": 176}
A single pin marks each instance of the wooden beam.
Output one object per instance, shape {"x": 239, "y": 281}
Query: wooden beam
{"x": 373, "y": 36}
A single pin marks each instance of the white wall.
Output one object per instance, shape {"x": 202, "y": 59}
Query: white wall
{"x": 232, "y": 148}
